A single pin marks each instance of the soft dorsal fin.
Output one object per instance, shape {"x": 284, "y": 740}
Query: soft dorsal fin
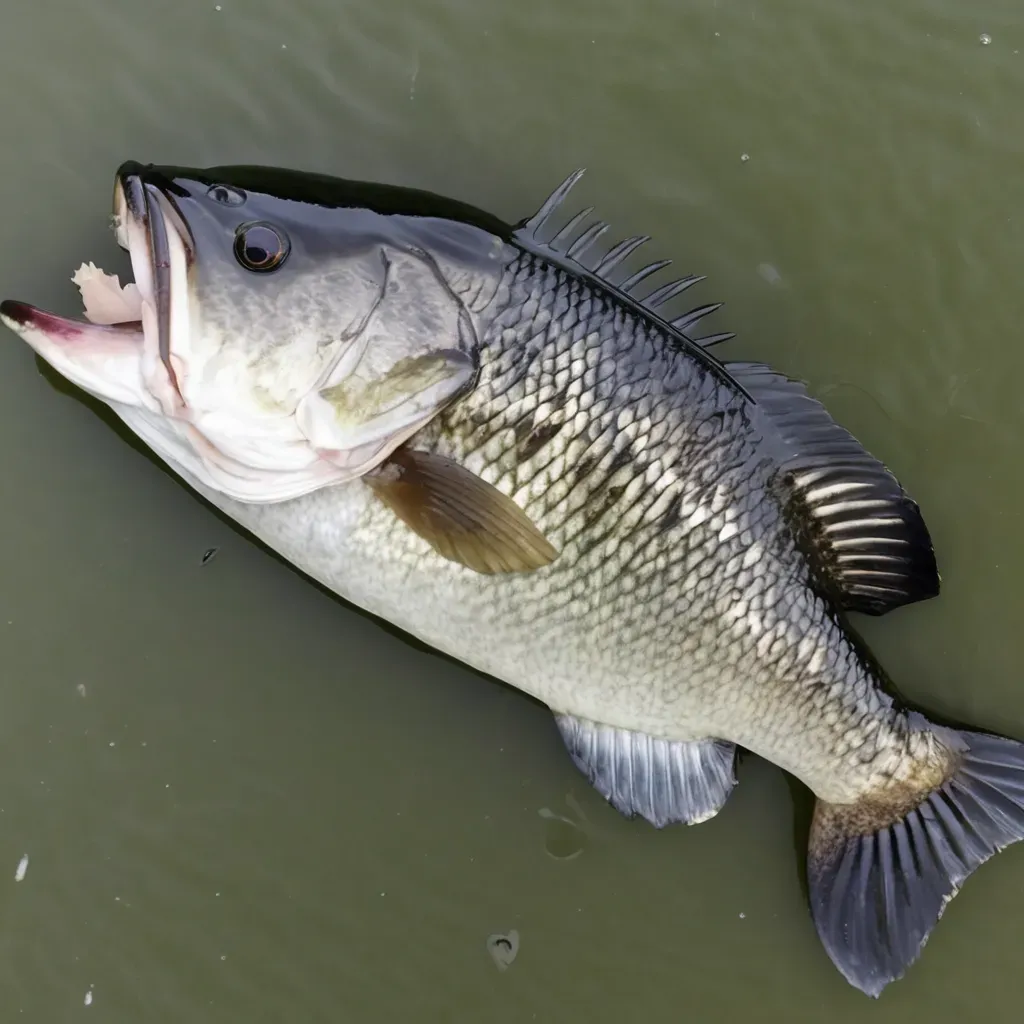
{"x": 573, "y": 240}
{"x": 871, "y": 546}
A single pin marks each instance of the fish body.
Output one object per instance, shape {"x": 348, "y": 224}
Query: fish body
{"x": 701, "y": 529}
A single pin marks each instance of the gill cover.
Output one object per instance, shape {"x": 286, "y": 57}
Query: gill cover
{"x": 411, "y": 357}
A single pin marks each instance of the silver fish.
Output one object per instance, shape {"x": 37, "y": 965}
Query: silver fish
{"x": 661, "y": 546}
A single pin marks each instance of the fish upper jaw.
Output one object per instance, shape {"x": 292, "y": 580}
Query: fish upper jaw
{"x": 162, "y": 251}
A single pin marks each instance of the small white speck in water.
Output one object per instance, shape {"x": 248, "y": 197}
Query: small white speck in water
{"x": 217, "y": 7}
{"x": 984, "y": 39}
{"x": 111, "y": 743}
{"x": 81, "y": 689}
{"x": 223, "y": 958}
{"x": 19, "y": 875}
{"x": 88, "y": 998}
{"x": 742, "y": 915}
{"x": 745, "y": 157}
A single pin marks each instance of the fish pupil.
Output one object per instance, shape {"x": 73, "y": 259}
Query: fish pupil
{"x": 260, "y": 247}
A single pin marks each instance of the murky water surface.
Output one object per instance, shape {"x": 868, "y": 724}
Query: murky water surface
{"x": 241, "y": 800}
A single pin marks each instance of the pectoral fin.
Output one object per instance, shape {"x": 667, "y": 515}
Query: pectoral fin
{"x": 462, "y": 517}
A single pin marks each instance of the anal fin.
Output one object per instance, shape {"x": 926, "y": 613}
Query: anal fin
{"x": 664, "y": 781}
{"x": 870, "y": 544}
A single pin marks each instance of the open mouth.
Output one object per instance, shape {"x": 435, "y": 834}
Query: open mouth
{"x": 132, "y": 349}
{"x": 101, "y": 351}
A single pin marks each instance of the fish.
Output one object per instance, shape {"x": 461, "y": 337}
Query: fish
{"x": 498, "y": 438}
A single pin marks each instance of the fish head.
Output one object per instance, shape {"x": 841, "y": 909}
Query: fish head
{"x": 292, "y": 329}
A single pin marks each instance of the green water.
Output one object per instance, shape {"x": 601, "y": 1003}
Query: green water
{"x": 243, "y": 801}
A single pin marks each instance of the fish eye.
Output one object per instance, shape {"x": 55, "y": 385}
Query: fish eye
{"x": 226, "y": 195}
{"x": 261, "y": 247}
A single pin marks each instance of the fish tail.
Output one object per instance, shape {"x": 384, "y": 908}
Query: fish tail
{"x": 881, "y": 871}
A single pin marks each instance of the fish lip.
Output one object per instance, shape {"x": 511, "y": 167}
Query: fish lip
{"x": 27, "y": 315}
{"x": 145, "y": 201}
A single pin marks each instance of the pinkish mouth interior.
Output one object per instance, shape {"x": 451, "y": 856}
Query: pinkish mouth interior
{"x": 106, "y": 302}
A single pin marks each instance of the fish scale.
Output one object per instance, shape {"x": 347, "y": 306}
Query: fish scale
{"x": 683, "y": 565}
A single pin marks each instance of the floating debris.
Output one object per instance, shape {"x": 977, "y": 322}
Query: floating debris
{"x": 564, "y": 839}
{"x": 208, "y": 556}
{"x": 984, "y": 39}
{"x": 88, "y": 997}
{"x": 744, "y": 157}
{"x": 81, "y": 689}
{"x": 503, "y": 949}
{"x": 19, "y": 875}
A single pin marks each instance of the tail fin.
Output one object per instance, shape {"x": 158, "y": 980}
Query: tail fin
{"x": 881, "y": 876}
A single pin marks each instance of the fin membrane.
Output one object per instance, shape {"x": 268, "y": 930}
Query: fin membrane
{"x": 572, "y": 241}
{"x": 879, "y": 886}
{"x": 661, "y": 780}
{"x": 462, "y": 517}
{"x": 872, "y": 547}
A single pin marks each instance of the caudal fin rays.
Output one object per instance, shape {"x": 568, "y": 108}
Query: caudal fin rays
{"x": 880, "y": 880}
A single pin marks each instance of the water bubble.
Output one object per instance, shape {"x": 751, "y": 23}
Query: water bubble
{"x": 984, "y": 39}
{"x": 745, "y": 157}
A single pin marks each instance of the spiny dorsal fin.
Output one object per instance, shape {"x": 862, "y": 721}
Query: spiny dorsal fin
{"x": 868, "y": 536}
{"x": 572, "y": 241}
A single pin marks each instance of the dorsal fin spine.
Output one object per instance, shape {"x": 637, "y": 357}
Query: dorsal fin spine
{"x": 527, "y": 232}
